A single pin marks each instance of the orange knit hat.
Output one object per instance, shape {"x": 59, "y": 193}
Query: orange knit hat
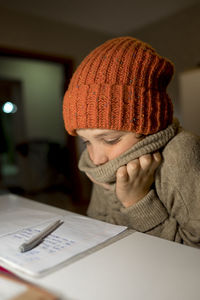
{"x": 120, "y": 85}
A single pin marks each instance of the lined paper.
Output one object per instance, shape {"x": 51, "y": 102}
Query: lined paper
{"x": 76, "y": 235}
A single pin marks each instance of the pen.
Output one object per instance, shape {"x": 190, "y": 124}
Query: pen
{"x": 37, "y": 239}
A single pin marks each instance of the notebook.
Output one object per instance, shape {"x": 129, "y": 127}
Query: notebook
{"x": 76, "y": 235}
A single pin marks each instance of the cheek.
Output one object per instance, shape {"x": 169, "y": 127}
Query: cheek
{"x": 115, "y": 152}
{"x": 121, "y": 148}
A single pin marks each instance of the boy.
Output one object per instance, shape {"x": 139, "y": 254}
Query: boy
{"x": 117, "y": 103}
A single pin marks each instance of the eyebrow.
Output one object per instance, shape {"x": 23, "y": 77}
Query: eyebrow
{"x": 102, "y": 135}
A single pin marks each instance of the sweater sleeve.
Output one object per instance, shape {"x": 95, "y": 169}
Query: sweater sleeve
{"x": 146, "y": 214}
{"x": 105, "y": 206}
{"x": 173, "y": 210}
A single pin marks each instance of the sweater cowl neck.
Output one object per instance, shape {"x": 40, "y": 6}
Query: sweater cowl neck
{"x": 106, "y": 173}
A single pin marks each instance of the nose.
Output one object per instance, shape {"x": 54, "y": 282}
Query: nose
{"x": 98, "y": 156}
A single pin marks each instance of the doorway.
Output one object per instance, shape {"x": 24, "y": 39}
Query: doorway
{"x": 12, "y": 128}
{"x": 42, "y": 157}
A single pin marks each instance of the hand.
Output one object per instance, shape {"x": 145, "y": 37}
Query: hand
{"x": 135, "y": 179}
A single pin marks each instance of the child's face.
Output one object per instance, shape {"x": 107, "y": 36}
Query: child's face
{"x": 104, "y": 145}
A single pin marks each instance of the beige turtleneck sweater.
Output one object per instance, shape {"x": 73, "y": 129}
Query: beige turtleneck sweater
{"x": 171, "y": 209}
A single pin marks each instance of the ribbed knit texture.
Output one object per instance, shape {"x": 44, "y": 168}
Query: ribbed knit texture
{"x": 106, "y": 173}
{"x": 171, "y": 208}
{"x": 121, "y": 85}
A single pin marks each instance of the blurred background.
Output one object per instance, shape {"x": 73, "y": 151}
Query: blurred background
{"x": 41, "y": 43}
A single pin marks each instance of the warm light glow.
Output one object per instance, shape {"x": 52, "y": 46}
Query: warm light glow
{"x": 9, "y": 108}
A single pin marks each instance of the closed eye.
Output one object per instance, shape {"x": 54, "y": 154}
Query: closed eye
{"x": 112, "y": 142}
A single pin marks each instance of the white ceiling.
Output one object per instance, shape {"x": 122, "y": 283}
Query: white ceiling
{"x": 108, "y": 16}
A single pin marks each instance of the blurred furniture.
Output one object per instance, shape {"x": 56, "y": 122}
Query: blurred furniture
{"x": 48, "y": 173}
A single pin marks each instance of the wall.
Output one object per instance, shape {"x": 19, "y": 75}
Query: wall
{"x": 22, "y": 31}
{"x": 190, "y": 94}
{"x": 35, "y": 34}
{"x": 177, "y": 38}
{"x": 42, "y": 84}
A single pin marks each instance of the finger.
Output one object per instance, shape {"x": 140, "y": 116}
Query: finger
{"x": 157, "y": 158}
{"x": 122, "y": 175}
{"x": 133, "y": 168}
{"x": 145, "y": 161}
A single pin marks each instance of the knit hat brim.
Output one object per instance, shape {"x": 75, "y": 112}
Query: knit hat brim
{"x": 116, "y": 107}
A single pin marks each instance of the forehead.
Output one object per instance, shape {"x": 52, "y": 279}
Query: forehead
{"x": 97, "y": 132}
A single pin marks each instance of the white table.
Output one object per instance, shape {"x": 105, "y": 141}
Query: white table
{"x": 137, "y": 267}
